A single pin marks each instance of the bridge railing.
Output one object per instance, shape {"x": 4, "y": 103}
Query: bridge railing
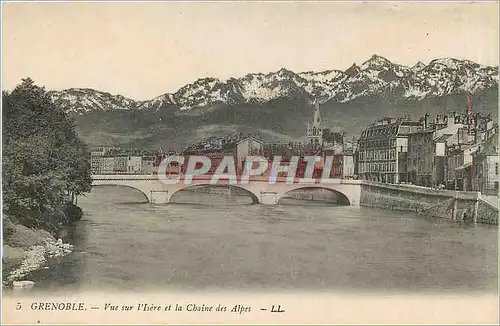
{"x": 224, "y": 180}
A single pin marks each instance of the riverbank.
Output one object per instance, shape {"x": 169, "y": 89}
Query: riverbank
{"x": 27, "y": 250}
{"x": 454, "y": 205}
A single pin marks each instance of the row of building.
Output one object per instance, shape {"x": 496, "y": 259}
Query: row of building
{"x": 108, "y": 160}
{"x": 453, "y": 151}
{"x": 113, "y": 160}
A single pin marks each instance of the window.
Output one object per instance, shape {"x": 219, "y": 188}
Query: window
{"x": 496, "y": 168}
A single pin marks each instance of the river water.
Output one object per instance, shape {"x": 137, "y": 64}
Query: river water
{"x": 218, "y": 242}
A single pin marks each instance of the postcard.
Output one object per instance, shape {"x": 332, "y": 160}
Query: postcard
{"x": 231, "y": 162}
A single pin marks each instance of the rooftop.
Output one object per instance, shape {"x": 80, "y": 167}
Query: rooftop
{"x": 442, "y": 138}
{"x": 250, "y": 138}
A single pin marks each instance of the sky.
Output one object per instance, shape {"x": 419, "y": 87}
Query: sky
{"x": 143, "y": 50}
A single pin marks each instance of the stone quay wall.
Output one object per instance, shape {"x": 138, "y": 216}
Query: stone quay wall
{"x": 487, "y": 213}
{"x": 453, "y": 205}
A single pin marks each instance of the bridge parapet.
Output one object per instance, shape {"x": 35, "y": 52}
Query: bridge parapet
{"x": 221, "y": 180}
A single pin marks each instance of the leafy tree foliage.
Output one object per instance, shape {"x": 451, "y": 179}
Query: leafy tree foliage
{"x": 332, "y": 137}
{"x": 45, "y": 164}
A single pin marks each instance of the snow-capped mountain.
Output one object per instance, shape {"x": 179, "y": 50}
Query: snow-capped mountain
{"x": 376, "y": 76}
{"x": 85, "y": 100}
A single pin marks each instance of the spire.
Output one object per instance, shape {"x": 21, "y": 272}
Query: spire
{"x": 315, "y": 128}
{"x": 317, "y": 115}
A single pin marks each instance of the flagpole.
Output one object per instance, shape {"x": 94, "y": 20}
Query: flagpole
{"x": 469, "y": 120}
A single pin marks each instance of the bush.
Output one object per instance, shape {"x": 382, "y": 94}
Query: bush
{"x": 73, "y": 212}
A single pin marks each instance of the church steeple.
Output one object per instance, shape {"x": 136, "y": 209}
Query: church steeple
{"x": 317, "y": 115}
{"x": 315, "y": 128}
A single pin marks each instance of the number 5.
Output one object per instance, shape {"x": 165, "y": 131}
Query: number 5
{"x": 18, "y": 306}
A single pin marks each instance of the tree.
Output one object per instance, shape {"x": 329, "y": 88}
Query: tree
{"x": 45, "y": 164}
{"x": 333, "y": 137}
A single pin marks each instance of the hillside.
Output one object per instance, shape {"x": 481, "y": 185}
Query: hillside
{"x": 278, "y": 104}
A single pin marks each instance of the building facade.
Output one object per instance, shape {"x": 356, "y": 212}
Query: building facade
{"x": 343, "y": 161}
{"x": 96, "y": 164}
{"x": 420, "y": 159}
{"x": 108, "y": 165}
{"x": 427, "y": 150}
{"x": 485, "y": 167}
{"x": 120, "y": 163}
{"x": 459, "y": 166}
{"x": 382, "y": 150}
{"x": 148, "y": 164}
{"x": 134, "y": 164}
{"x": 97, "y": 158}
{"x": 249, "y": 146}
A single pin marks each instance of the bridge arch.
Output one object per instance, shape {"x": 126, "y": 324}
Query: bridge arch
{"x": 143, "y": 192}
{"x": 342, "y": 198}
{"x": 253, "y": 196}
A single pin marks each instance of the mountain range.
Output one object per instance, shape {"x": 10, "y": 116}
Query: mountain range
{"x": 278, "y": 104}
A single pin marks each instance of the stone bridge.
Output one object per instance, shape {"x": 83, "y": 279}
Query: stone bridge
{"x": 258, "y": 188}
